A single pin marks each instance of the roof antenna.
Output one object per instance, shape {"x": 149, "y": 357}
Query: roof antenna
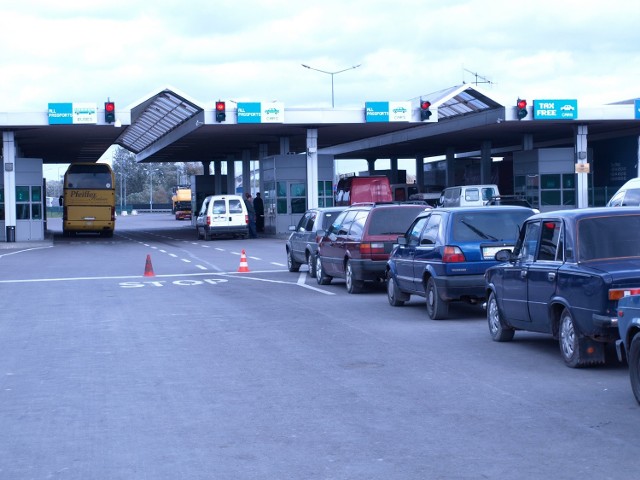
{"x": 477, "y": 78}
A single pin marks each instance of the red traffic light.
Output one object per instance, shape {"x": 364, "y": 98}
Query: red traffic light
{"x": 221, "y": 114}
{"x": 220, "y": 106}
{"x": 424, "y": 105}
{"x": 522, "y": 104}
{"x": 109, "y": 112}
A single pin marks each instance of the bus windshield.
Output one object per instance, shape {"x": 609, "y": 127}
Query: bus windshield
{"x": 89, "y": 199}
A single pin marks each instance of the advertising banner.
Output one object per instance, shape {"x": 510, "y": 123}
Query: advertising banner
{"x": 388, "y": 111}
{"x": 72, "y": 113}
{"x": 555, "y": 109}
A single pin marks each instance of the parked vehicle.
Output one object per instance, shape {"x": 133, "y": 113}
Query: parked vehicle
{"x": 511, "y": 200}
{"x": 222, "y": 215}
{"x": 352, "y": 190}
{"x": 445, "y": 252}
{"x": 181, "y": 202}
{"x": 565, "y": 276}
{"x": 357, "y": 245}
{"x": 628, "y": 346}
{"x": 627, "y": 196}
{"x": 468, "y": 195}
{"x": 302, "y": 244}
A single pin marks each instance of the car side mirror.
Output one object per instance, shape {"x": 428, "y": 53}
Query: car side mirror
{"x": 503, "y": 255}
{"x": 402, "y": 240}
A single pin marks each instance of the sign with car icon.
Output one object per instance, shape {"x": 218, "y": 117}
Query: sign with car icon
{"x": 555, "y": 109}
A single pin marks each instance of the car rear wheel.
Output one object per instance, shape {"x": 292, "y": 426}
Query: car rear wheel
{"x": 311, "y": 263}
{"x": 574, "y": 347}
{"x": 395, "y": 296}
{"x": 437, "y": 309}
{"x": 634, "y": 366}
{"x": 292, "y": 265}
{"x": 353, "y": 285}
{"x": 498, "y": 330}
{"x": 320, "y": 276}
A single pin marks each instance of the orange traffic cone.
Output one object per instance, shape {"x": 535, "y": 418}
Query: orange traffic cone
{"x": 148, "y": 268}
{"x": 244, "y": 266}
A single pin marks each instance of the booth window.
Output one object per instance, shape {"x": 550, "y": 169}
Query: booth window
{"x": 325, "y": 193}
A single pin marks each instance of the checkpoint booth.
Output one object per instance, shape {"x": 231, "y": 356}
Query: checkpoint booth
{"x": 30, "y": 207}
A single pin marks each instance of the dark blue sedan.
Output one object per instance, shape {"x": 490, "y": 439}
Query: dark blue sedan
{"x": 445, "y": 252}
{"x": 565, "y": 277}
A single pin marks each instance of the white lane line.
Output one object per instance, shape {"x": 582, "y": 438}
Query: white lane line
{"x": 201, "y": 267}
{"x": 25, "y": 250}
{"x": 278, "y": 264}
{"x": 185, "y": 260}
{"x": 173, "y": 255}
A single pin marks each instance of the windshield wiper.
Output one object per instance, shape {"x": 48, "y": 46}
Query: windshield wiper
{"x": 477, "y": 231}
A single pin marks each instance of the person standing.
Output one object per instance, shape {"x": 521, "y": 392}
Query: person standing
{"x": 258, "y": 206}
{"x": 252, "y": 215}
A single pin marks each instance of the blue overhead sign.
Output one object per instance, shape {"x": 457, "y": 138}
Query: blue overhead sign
{"x": 555, "y": 109}
{"x": 637, "y": 109}
{"x": 60, "y": 113}
{"x": 387, "y": 112}
{"x": 259, "y": 112}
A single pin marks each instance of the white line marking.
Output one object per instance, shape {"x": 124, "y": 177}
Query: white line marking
{"x": 201, "y": 267}
{"x": 25, "y": 250}
{"x": 185, "y": 260}
{"x": 173, "y": 255}
{"x": 278, "y": 264}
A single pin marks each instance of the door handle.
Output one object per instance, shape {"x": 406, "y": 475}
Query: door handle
{"x": 551, "y": 276}
{"x": 523, "y": 273}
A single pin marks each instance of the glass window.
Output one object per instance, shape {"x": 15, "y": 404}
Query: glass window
{"x": 282, "y": 190}
{"x": 298, "y": 189}
{"x": 22, "y": 211}
{"x": 344, "y": 227}
{"x": 595, "y": 240}
{"x": 413, "y": 234}
{"x": 357, "y": 227}
{"x": 235, "y": 206}
{"x": 281, "y": 205}
{"x": 550, "y": 181}
{"x": 389, "y": 221}
{"x": 1, "y": 194}
{"x": 430, "y": 234}
{"x": 218, "y": 207}
{"x": 36, "y": 211}
{"x": 549, "y": 241}
{"x": 36, "y": 194}
{"x": 310, "y": 218}
{"x": 530, "y": 243}
{"x": 481, "y": 226}
{"x": 472, "y": 194}
{"x": 550, "y": 197}
{"x": 298, "y": 205}
{"x": 22, "y": 194}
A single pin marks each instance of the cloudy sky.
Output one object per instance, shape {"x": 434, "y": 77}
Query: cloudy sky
{"x": 86, "y": 51}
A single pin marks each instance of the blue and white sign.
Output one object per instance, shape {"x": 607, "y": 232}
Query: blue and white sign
{"x": 249, "y": 112}
{"x": 636, "y": 109}
{"x": 257, "y": 112}
{"x": 60, "y": 113}
{"x": 387, "y": 112}
{"x": 376, "y": 112}
{"x": 72, "y": 113}
{"x": 555, "y": 109}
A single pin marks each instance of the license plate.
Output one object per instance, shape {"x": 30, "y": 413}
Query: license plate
{"x": 488, "y": 253}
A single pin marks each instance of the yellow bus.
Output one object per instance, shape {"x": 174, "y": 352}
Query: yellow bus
{"x": 89, "y": 199}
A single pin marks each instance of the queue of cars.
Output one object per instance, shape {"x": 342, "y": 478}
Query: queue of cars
{"x": 560, "y": 273}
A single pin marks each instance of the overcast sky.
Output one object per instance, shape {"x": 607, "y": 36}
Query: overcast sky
{"x": 86, "y": 51}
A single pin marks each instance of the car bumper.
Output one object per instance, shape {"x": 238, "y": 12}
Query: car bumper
{"x": 604, "y": 321}
{"x": 462, "y": 286}
{"x": 369, "y": 270}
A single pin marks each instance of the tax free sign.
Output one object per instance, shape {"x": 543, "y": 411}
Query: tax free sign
{"x": 72, "y": 113}
{"x": 387, "y": 112}
{"x": 555, "y": 109}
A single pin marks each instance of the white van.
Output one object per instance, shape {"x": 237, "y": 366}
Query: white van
{"x": 222, "y": 215}
{"x": 627, "y": 196}
{"x": 468, "y": 195}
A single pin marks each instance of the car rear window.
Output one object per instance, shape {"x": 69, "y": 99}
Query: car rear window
{"x": 389, "y": 221}
{"x": 491, "y": 225}
{"x": 608, "y": 237}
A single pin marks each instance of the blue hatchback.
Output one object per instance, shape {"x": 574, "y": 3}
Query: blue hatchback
{"x": 445, "y": 252}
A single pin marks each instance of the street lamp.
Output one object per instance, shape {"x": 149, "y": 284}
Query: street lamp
{"x": 151, "y": 187}
{"x": 332, "y": 74}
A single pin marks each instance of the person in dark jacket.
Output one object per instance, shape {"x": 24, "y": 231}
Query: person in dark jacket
{"x": 252, "y": 215}
{"x": 258, "y": 206}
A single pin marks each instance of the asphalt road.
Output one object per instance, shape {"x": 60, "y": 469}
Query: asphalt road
{"x": 197, "y": 371}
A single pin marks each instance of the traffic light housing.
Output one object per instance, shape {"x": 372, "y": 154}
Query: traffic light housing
{"x": 109, "y": 112}
{"x": 221, "y": 112}
{"x": 425, "y": 113}
{"x": 521, "y": 108}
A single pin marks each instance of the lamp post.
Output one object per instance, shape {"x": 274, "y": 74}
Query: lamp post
{"x": 332, "y": 74}
{"x": 151, "y": 187}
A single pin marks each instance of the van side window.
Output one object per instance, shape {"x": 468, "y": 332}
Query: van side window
{"x": 488, "y": 194}
{"x": 471, "y": 195}
{"x": 235, "y": 206}
{"x": 631, "y": 198}
{"x": 218, "y": 207}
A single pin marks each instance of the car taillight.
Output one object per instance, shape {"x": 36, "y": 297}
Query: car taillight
{"x": 618, "y": 293}
{"x": 371, "y": 248}
{"x": 246, "y": 219}
{"x": 452, "y": 255}
{"x": 208, "y": 220}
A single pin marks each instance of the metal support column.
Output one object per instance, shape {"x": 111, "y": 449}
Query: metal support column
{"x": 231, "y": 175}
{"x": 582, "y": 167}
{"x": 451, "y": 170}
{"x": 420, "y": 173}
{"x": 246, "y": 171}
{"x": 371, "y": 166}
{"x": 485, "y": 163}
{"x": 217, "y": 179}
{"x": 312, "y": 168}
{"x": 9, "y": 166}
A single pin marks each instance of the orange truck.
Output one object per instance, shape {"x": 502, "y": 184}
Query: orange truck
{"x": 181, "y": 200}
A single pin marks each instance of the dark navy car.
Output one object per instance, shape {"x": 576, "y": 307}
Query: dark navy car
{"x": 565, "y": 277}
{"x": 445, "y": 252}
